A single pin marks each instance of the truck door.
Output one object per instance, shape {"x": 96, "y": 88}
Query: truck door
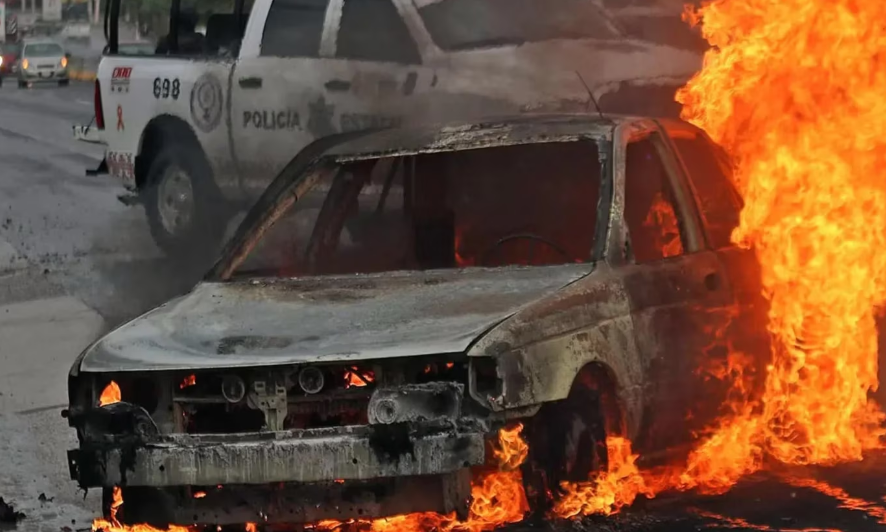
{"x": 319, "y": 67}
{"x": 375, "y": 74}
{"x": 276, "y": 105}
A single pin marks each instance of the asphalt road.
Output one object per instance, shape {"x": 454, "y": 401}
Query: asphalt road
{"x": 75, "y": 261}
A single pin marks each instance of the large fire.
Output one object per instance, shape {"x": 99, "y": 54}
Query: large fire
{"x": 785, "y": 89}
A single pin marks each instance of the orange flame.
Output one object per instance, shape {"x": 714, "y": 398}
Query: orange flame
{"x": 356, "y": 377}
{"x": 498, "y": 498}
{"x": 110, "y": 395}
{"x": 113, "y": 525}
{"x": 815, "y": 209}
{"x": 199, "y": 494}
{"x": 250, "y": 527}
{"x": 619, "y": 486}
{"x": 190, "y": 380}
{"x": 784, "y": 90}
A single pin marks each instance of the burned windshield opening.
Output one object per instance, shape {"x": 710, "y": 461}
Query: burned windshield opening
{"x": 532, "y": 205}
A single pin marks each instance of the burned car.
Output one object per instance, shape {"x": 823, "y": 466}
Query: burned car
{"x": 398, "y": 296}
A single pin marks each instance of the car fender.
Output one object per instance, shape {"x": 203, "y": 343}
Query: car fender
{"x": 539, "y": 351}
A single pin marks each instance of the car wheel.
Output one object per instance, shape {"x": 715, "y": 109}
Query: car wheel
{"x": 185, "y": 211}
{"x": 63, "y": 82}
{"x": 567, "y": 442}
{"x": 22, "y": 84}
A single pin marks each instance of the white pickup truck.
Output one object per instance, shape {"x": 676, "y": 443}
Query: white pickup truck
{"x": 201, "y": 127}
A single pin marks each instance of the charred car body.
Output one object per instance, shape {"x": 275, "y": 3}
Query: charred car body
{"x": 346, "y": 352}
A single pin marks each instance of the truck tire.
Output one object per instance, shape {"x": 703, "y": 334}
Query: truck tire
{"x": 185, "y": 210}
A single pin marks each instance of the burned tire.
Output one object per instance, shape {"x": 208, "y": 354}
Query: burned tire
{"x": 185, "y": 210}
{"x": 567, "y": 442}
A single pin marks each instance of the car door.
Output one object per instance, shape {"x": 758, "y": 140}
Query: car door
{"x": 375, "y": 74}
{"x": 279, "y": 103}
{"x": 679, "y": 294}
{"x": 708, "y": 172}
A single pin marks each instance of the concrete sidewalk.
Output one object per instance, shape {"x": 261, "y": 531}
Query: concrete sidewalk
{"x": 39, "y": 340}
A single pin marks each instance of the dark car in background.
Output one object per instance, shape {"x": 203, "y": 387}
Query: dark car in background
{"x": 9, "y": 54}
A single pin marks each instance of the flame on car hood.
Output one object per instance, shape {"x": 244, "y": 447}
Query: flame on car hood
{"x": 324, "y": 319}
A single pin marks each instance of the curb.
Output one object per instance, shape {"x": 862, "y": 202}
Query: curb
{"x": 81, "y": 75}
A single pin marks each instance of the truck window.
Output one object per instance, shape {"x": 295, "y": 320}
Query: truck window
{"x": 294, "y": 28}
{"x": 204, "y": 28}
{"x": 466, "y": 24}
{"x": 716, "y": 198}
{"x": 372, "y": 30}
{"x": 650, "y": 212}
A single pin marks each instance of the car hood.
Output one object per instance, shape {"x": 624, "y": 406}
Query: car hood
{"x": 325, "y": 319}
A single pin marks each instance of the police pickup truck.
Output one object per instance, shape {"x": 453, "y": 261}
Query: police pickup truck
{"x": 196, "y": 131}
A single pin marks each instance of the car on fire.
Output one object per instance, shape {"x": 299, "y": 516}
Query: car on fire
{"x": 397, "y": 296}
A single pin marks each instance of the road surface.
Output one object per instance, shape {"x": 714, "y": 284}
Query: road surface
{"x": 74, "y": 261}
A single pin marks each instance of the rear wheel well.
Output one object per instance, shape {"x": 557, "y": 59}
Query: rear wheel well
{"x": 160, "y": 131}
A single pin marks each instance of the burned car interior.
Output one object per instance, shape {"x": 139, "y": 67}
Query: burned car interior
{"x": 516, "y": 205}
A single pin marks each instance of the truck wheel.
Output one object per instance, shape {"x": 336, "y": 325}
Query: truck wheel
{"x": 184, "y": 208}
{"x": 567, "y": 442}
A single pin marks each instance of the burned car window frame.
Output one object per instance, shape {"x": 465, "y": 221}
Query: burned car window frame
{"x": 619, "y": 247}
{"x": 312, "y": 165}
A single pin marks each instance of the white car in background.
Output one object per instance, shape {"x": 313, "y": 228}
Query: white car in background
{"x": 42, "y": 61}
{"x": 200, "y": 128}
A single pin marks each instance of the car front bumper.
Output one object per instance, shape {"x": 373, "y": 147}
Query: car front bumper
{"x": 32, "y": 74}
{"x": 312, "y": 455}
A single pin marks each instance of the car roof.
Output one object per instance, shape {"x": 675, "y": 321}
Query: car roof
{"x": 500, "y": 131}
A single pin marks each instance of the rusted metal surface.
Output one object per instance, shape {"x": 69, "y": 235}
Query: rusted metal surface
{"x": 325, "y": 319}
{"x": 416, "y": 402}
{"x": 351, "y": 453}
{"x": 541, "y": 349}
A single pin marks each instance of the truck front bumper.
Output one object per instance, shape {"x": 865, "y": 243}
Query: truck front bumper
{"x": 313, "y": 455}
{"x": 87, "y": 133}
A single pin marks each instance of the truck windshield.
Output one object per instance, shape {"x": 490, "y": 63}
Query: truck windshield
{"x": 530, "y": 204}
{"x": 466, "y": 24}
{"x": 43, "y": 49}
